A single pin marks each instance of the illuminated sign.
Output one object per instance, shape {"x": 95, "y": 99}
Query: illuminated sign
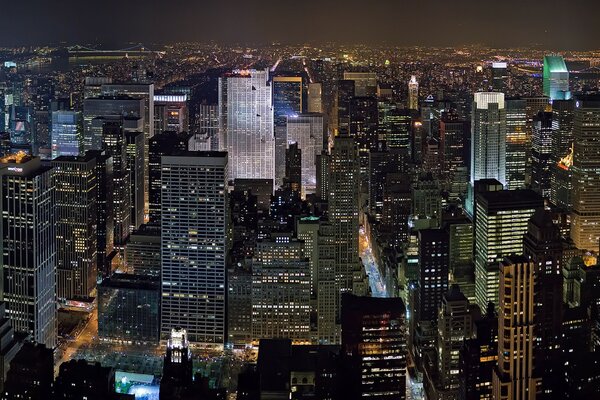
{"x": 15, "y": 169}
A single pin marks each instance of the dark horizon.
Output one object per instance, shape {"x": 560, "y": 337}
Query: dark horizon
{"x": 511, "y": 23}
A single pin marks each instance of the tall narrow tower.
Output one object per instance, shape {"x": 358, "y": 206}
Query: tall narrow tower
{"x": 514, "y": 375}
{"x": 413, "y": 93}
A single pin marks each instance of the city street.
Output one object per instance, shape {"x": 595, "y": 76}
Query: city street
{"x": 377, "y": 285}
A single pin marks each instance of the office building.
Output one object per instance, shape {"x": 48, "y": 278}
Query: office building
{"x": 142, "y": 251}
{"x": 170, "y": 113}
{"x": 246, "y": 126}
{"x": 585, "y": 216}
{"x": 461, "y": 266}
{"x": 365, "y": 83}
{"x": 75, "y": 199}
{"x": 9, "y": 344}
{"x": 454, "y": 327}
{"x": 206, "y": 134}
{"x": 500, "y": 77}
{"x": 31, "y": 373}
{"x": 518, "y": 143}
{"x": 395, "y": 129}
{"x": 135, "y": 166}
{"x": 514, "y": 376}
{"x": 501, "y": 219}
{"x": 128, "y": 309}
{"x": 293, "y": 169}
{"x": 315, "y": 98}
{"x": 374, "y": 347}
{"x": 413, "y": 93}
{"x": 541, "y": 154}
{"x": 29, "y": 247}
{"x": 78, "y": 379}
{"x": 343, "y": 209}
{"x": 453, "y": 154}
{"x": 307, "y": 131}
{"x": 66, "y": 133}
{"x": 166, "y": 143}
{"x": 239, "y": 306}
{"x": 281, "y": 290}
{"x": 488, "y": 137}
{"x": 287, "y": 102}
{"x": 194, "y": 224}
{"x": 556, "y": 78}
{"x": 433, "y": 273}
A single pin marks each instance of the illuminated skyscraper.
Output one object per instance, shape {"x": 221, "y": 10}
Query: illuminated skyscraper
{"x": 500, "y": 77}
{"x": 29, "y": 247}
{"x": 365, "y": 83}
{"x": 66, "y": 133}
{"x": 541, "y": 154}
{"x": 315, "y": 98}
{"x": 514, "y": 375}
{"x": 75, "y": 196}
{"x": 517, "y": 143}
{"x": 281, "y": 290}
{"x": 585, "y": 217}
{"x": 307, "y": 131}
{"x": 246, "y": 126}
{"x": 170, "y": 113}
{"x": 556, "y": 78}
{"x": 453, "y": 149}
{"x": 488, "y": 137}
{"x": 135, "y": 163}
{"x": 501, "y": 219}
{"x": 413, "y": 93}
{"x": 343, "y": 209}
{"x": 287, "y": 102}
{"x": 194, "y": 223}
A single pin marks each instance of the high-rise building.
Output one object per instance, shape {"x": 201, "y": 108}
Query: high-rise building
{"x": 315, "y": 98}
{"x": 9, "y": 344}
{"x": 66, "y": 133}
{"x": 75, "y": 198}
{"x": 246, "y": 126}
{"x": 514, "y": 376}
{"x": 293, "y": 168}
{"x": 29, "y": 247}
{"x": 462, "y": 269}
{"x": 585, "y": 217}
{"x": 562, "y": 157}
{"x": 142, "y": 251}
{"x": 206, "y": 132}
{"x": 194, "y": 224}
{"x": 31, "y": 373}
{"x": 556, "y": 78}
{"x": 113, "y": 142}
{"x": 500, "y": 77}
{"x": 170, "y": 113}
{"x": 517, "y": 143}
{"x": 166, "y": 143}
{"x": 135, "y": 166}
{"x": 454, "y": 326}
{"x": 307, "y": 131}
{"x": 541, "y": 154}
{"x": 287, "y": 102}
{"x": 488, "y": 137}
{"x": 413, "y": 93}
{"x": 345, "y": 94}
{"x": 363, "y": 128}
{"x": 382, "y": 163}
{"x": 374, "y": 347}
{"x": 501, "y": 219}
{"x": 281, "y": 290}
{"x": 343, "y": 209}
{"x": 395, "y": 129}
{"x": 453, "y": 143}
{"x": 365, "y": 83}
{"x": 105, "y": 106}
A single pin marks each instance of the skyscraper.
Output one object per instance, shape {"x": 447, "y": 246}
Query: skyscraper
{"x": 517, "y": 143}
{"x": 343, "y": 209}
{"x": 194, "y": 223}
{"x": 501, "y": 219}
{"x": 365, "y": 83}
{"x": 75, "y": 197}
{"x": 170, "y": 113}
{"x": 514, "y": 375}
{"x": 315, "y": 98}
{"x": 541, "y": 154}
{"x": 453, "y": 144}
{"x": 135, "y": 165}
{"x": 556, "y": 78}
{"x": 66, "y": 133}
{"x": 287, "y": 102}
{"x": 488, "y": 137}
{"x": 281, "y": 290}
{"x": 585, "y": 217}
{"x": 246, "y": 126}
{"x": 374, "y": 346}
{"x": 307, "y": 131}
{"x": 29, "y": 247}
{"x": 500, "y": 77}
{"x": 413, "y": 93}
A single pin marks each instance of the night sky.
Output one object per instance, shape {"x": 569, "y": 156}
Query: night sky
{"x": 553, "y": 24}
